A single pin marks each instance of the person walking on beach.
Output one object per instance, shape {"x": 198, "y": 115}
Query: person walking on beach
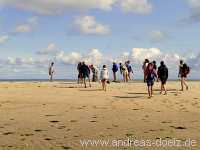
{"x": 144, "y": 67}
{"x": 104, "y": 76}
{"x": 155, "y": 67}
{"x": 130, "y": 70}
{"x": 124, "y": 72}
{"x": 85, "y": 73}
{"x": 114, "y": 70}
{"x": 94, "y": 73}
{"x": 163, "y": 76}
{"x": 80, "y": 79}
{"x": 184, "y": 70}
{"x": 150, "y": 78}
{"x": 51, "y": 71}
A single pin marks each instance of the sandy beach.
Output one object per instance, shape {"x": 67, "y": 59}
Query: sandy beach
{"x": 58, "y": 115}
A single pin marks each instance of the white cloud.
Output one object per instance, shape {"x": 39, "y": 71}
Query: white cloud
{"x": 94, "y": 56}
{"x": 28, "y": 26}
{"x": 195, "y": 8}
{"x": 71, "y": 58}
{"x": 137, "y": 6}
{"x": 23, "y": 28}
{"x": 157, "y": 36}
{"x": 89, "y": 25}
{"x": 142, "y": 53}
{"x": 51, "y": 49}
{"x": 51, "y": 7}
{"x": 194, "y": 3}
{"x": 4, "y": 39}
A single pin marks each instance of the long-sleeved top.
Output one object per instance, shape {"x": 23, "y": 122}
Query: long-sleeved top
{"x": 104, "y": 74}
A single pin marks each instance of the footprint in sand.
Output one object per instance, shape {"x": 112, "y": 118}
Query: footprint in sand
{"x": 79, "y": 108}
{"x": 23, "y": 139}
{"x": 68, "y": 130}
{"x": 38, "y": 130}
{"x": 8, "y": 133}
{"x": 61, "y": 127}
{"x": 129, "y": 135}
{"x": 54, "y": 121}
{"x": 166, "y": 122}
{"x": 66, "y": 147}
{"x": 28, "y": 134}
{"x": 93, "y": 121}
{"x": 167, "y": 137}
{"x": 135, "y": 109}
{"x": 115, "y": 125}
{"x": 178, "y": 128}
{"x": 152, "y": 130}
{"x": 48, "y": 139}
{"x": 73, "y": 121}
{"x": 50, "y": 115}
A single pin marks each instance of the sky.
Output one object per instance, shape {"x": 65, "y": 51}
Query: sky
{"x": 33, "y": 33}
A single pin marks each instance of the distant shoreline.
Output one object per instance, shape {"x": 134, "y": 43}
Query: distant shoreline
{"x": 72, "y": 80}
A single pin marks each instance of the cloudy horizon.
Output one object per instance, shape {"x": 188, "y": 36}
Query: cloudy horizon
{"x": 33, "y": 33}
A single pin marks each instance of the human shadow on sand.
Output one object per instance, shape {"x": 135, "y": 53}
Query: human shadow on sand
{"x": 169, "y": 90}
{"x": 139, "y": 93}
{"x": 90, "y": 90}
{"x": 128, "y": 97}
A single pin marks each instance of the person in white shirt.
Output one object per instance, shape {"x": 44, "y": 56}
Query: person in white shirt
{"x": 51, "y": 72}
{"x": 104, "y": 76}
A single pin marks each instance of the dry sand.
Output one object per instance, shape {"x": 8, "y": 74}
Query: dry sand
{"x": 56, "y": 116}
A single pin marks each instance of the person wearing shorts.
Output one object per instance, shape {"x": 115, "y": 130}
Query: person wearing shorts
{"x": 163, "y": 76}
{"x": 150, "y": 78}
{"x": 85, "y": 73}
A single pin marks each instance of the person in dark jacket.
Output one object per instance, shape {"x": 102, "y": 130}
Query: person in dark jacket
{"x": 163, "y": 76}
{"x": 184, "y": 70}
{"x": 114, "y": 70}
{"x": 85, "y": 73}
{"x": 79, "y": 73}
{"x": 130, "y": 70}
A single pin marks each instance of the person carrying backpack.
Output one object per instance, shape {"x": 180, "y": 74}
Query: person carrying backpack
{"x": 184, "y": 70}
{"x": 163, "y": 76}
{"x": 150, "y": 76}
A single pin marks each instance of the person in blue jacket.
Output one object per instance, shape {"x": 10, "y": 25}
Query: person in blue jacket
{"x": 114, "y": 70}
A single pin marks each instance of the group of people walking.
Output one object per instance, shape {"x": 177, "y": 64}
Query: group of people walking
{"x": 151, "y": 72}
{"x": 85, "y": 70}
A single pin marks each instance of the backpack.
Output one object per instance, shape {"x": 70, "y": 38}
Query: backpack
{"x": 187, "y": 70}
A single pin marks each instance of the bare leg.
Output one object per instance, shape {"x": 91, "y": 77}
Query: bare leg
{"x": 149, "y": 92}
{"x": 165, "y": 89}
{"x": 124, "y": 77}
{"x": 161, "y": 89}
{"x": 182, "y": 84}
{"x": 105, "y": 85}
{"x": 102, "y": 82}
{"x": 89, "y": 82}
{"x": 84, "y": 83}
